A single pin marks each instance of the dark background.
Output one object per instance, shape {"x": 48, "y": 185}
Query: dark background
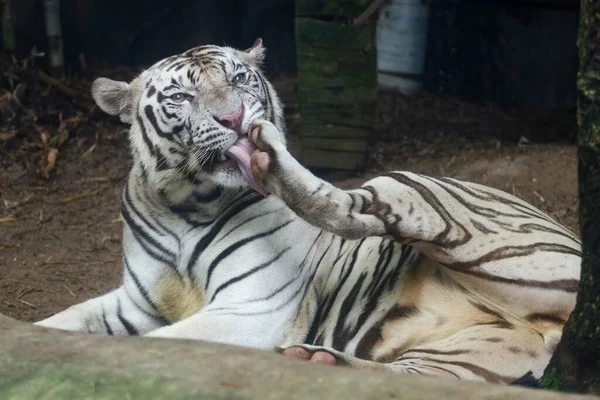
{"x": 515, "y": 53}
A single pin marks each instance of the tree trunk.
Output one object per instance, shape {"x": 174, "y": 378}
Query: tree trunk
{"x": 575, "y": 366}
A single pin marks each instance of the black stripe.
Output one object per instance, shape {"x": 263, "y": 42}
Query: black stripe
{"x": 479, "y": 210}
{"x": 160, "y": 97}
{"x": 342, "y": 333}
{"x": 158, "y": 318}
{"x": 214, "y": 52}
{"x": 177, "y": 64}
{"x": 145, "y": 135}
{"x": 247, "y": 220}
{"x": 151, "y": 204}
{"x": 229, "y": 250}
{"x": 527, "y": 228}
{"x": 481, "y": 194}
{"x": 129, "y": 203}
{"x": 143, "y": 291}
{"x": 145, "y": 240}
{"x": 149, "y": 111}
{"x": 373, "y": 295}
{"x": 316, "y": 266}
{"x": 424, "y": 366}
{"x": 106, "y": 325}
{"x": 168, "y": 114}
{"x": 161, "y": 162}
{"x": 131, "y": 330}
{"x": 208, "y": 197}
{"x": 442, "y": 239}
{"x": 384, "y": 259}
{"x": 486, "y": 374}
{"x": 272, "y": 310}
{"x": 139, "y": 230}
{"x": 564, "y": 285}
{"x": 218, "y": 225}
{"x": 151, "y": 91}
{"x": 269, "y": 106}
{"x": 331, "y": 300}
{"x": 247, "y": 273}
{"x": 501, "y": 253}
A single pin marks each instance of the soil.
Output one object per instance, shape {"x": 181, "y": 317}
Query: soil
{"x": 60, "y": 236}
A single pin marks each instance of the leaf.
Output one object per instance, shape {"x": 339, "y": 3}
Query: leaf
{"x": 524, "y": 140}
{"x": 6, "y": 136}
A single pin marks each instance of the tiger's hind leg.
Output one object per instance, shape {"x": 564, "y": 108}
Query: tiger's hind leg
{"x": 510, "y": 256}
{"x": 486, "y": 353}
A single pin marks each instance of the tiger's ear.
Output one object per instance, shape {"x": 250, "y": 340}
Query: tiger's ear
{"x": 255, "y": 55}
{"x": 114, "y": 98}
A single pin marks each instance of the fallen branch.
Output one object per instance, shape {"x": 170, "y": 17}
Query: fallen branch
{"x": 77, "y": 197}
{"x": 61, "y": 87}
{"x": 98, "y": 179}
{"x": 26, "y": 303}
{"x": 69, "y": 290}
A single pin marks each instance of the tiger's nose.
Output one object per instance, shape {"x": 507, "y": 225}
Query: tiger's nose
{"x": 232, "y": 120}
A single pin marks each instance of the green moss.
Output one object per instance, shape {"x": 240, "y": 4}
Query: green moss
{"x": 83, "y": 382}
{"x": 550, "y": 380}
{"x": 340, "y": 8}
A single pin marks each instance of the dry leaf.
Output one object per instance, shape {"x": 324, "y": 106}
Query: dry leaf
{"x": 7, "y": 135}
{"x": 49, "y": 161}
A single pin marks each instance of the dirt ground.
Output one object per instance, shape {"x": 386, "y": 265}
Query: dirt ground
{"x": 60, "y": 236}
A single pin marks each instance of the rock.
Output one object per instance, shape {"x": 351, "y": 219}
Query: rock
{"x": 42, "y": 363}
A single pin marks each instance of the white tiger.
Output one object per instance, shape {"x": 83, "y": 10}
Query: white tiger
{"x": 407, "y": 273}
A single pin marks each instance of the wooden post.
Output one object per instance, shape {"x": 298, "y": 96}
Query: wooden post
{"x": 337, "y": 82}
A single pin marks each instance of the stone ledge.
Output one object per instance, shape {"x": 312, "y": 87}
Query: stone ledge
{"x": 40, "y": 363}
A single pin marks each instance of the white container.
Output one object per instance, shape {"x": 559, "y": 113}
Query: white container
{"x": 401, "y": 43}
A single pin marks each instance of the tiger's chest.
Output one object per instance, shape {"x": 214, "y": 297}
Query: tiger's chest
{"x": 257, "y": 253}
{"x": 265, "y": 260}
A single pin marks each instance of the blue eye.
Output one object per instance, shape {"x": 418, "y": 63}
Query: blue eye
{"x": 178, "y": 97}
{"x": 239, "y": 77}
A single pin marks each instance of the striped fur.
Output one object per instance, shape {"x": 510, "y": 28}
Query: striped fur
{"x": 408, "y": 273}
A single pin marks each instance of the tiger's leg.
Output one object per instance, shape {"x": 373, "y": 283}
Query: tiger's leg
{"x": 114, "y": 313}
{"x": 128, "y": 310}
{"x": 504, "y": 250}
{"x": 487, "y": 353}
{"x": 510, "y": 258}
{"x": 223, "y": 322}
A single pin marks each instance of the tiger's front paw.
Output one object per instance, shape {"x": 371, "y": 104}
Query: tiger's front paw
{"x": 72, "y": 319}
{"x": 266, "y": 160}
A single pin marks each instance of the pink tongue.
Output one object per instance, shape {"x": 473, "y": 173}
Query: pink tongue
{"x": 240, "y": 152}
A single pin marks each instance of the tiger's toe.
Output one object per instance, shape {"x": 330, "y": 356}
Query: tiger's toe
{"x": 297, "y": 352}
{"x": 317, "y": 357}
{"x": 260, "y": 162}
{"x": 323, "y": 357}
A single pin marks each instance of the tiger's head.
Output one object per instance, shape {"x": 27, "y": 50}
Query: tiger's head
{"x": 190, "y": 111}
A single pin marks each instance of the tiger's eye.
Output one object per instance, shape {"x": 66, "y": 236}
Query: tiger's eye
{"x": 178, "y": 97}
{"x": 239, "y": 77}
